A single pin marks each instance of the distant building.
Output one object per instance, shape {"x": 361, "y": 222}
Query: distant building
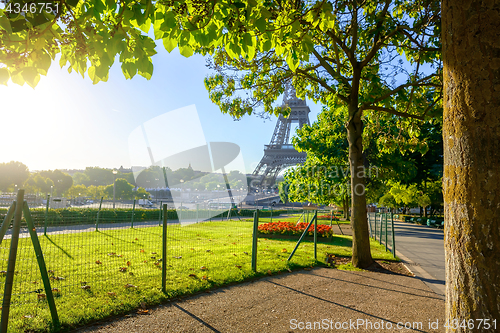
{"x": 123, "y": 170}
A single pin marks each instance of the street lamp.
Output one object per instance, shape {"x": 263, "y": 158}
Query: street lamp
{"x": 114, "y": 186}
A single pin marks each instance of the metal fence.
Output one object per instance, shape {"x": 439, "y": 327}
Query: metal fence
{"x": 382, "y": 229}
{"x": 93, "y": 254}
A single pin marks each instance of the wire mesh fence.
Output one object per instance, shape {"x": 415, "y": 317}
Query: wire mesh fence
{"x": 382, "y": 229}
{"x": 101, "y": 260}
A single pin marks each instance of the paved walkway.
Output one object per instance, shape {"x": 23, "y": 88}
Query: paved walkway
{"x": 422, "y": 249}
{"x": 319, "y": 300}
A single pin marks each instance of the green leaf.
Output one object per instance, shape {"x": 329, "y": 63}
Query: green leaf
{"x": 251, "y": 50}
{"x": 101, "y": 71}
{"x": 247, "y": 39}
{"x": 31, "y": 76}
{"x": 261, "y": 24}
{"x": 169, "y": 21}
{"x": 111, "y": 4}
{"x": 267, "y": 46}
{"x": 292, "y": 62}
{"x": 92, "y": 75}
{"x": 4, "y": 76}
{"x": 99, "y": 7}
{"x": 72, "y": 3}
{"x": 146, "y": 26}
{"x": 169, "y": 44}
{"x": 5, "y": 24}
{"x": 44, "y": 63}
{"x": 186, "y": 51}
{"x": 127, "y": 70}
{"x": 239, "y": 5}
{"x": 17, "y": 78}
{"x": 146, "y": 69}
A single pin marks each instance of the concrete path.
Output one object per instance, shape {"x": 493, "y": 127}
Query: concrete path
{"x": 422, "y": 250}
{"x": 319, "y": 300}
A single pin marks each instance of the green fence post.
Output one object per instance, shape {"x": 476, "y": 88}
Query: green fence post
{"x": 98, "y": 213}
{"x": 164, "y": 252}
{"x": 375, "y": 229}
{"x": 386, "y": 232}
{"x": 331, "y": 218}
{"x": 393, "y": 237}
{"x": 11, "y": 264}
{"x": 271, "y": 214}
{"x": 133, "y": 212}
{"x": 254, "y": 239}
{"x": 315, "y": 234}
{"x": 41, "y": 265}
{"x": 46, "y": 215}
{"x": 381, "y": 228}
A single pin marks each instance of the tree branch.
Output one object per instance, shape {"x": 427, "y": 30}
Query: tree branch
{"x": 415, "y": 84}
{"x": 330, "y": 70}
{"x": 391, "y": 111}
{"x": 377, "y": 46}
{"x": 322, "y": 83}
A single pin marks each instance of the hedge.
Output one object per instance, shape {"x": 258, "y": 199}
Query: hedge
{"x": 69, "y": 216}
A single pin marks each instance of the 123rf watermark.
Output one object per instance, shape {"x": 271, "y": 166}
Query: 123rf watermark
{"x": 380, "y": 325}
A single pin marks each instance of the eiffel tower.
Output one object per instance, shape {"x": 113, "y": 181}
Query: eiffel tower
{"x": 279, "y": 153}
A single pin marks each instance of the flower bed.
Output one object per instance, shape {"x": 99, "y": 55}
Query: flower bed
{"x": 291, "y": 229}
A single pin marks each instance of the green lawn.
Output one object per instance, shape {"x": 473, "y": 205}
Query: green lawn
{"x": 199, "y": 256}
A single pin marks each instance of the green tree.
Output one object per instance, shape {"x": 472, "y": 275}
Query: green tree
{"x": 283, "y": 191}
{"x": 96, "y": 192}
{"x": 99, "y": 176}
{"x": 345, "y": 55}
{"x": 123, "y": 189}
{"x": 77, "y": 191}
{"x": 13, "y": 173}
{"x": 80, "y": 178}
{"x": 37, "y": 183}
{"x": 141, "y": 193}
{"x": 152, "y": 177}
{"x": 388, "y": 200}
{"x": 62, "y": 181}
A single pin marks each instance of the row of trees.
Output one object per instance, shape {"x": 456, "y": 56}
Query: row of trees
{"x": 375, "y": 60}
{"x": 123, "y": 190}
{"x": 16, "y": 174}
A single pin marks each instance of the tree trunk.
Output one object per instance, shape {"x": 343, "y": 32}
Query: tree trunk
{"x": 361, "y": 255}
{"x": 471, "y": 181}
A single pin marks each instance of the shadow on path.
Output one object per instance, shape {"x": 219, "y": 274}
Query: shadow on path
{"x": 197, "y": 318}
{"x": 392, "y": 283}
{"x": 334, "y": 303}
{"x": 367, "y": 285}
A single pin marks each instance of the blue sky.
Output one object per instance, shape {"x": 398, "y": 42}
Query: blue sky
{"x": 66, "y": 122}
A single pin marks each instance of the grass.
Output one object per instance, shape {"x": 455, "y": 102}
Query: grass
{"x": 199, "y": 257}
